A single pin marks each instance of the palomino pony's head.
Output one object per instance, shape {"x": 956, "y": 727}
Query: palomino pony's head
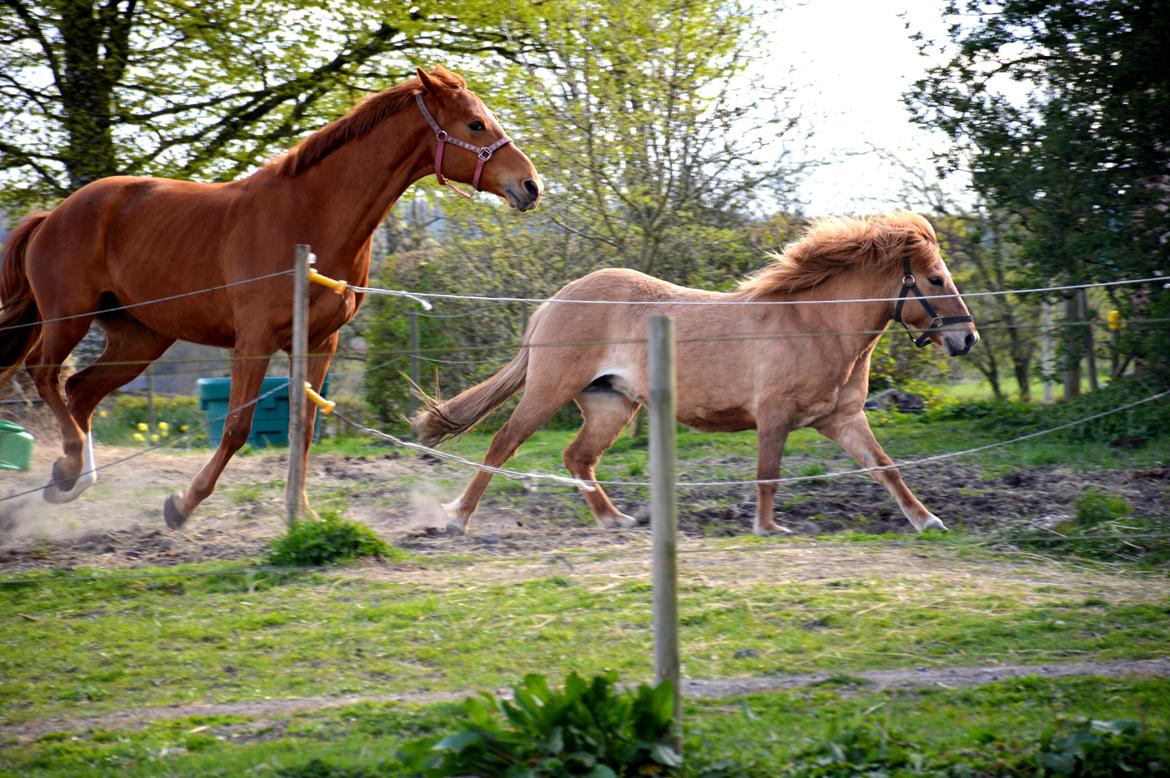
{"x": 469, "y": 144}
{"x": 927, "y": 296}
{"x": 899, "y": 252}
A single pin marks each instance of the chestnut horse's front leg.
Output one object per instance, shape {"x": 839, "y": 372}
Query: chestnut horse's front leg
{"x": 853, "y": 434}
{"x": 321, "y": 355}
{"x": 771, "y": 447}
{"x": 248, "y": 369}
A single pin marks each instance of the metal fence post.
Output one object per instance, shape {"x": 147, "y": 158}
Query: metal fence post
{"x": 664, "y": 510}
{"x": 296, "y": 384}
{"x": 412, "y": 316}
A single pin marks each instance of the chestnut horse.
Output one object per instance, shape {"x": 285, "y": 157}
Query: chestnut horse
{"x": 124, "y": 241}
{"x": 774, "y": 368}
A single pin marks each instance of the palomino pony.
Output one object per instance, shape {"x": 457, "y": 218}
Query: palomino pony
{"x": 118, "y": 243}
{"x": 774, "y": 368}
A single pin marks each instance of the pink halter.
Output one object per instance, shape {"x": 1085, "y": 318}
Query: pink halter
{"x": 483, "y": 153}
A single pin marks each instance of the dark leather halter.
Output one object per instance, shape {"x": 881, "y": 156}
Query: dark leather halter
{"x": 936, "y": 322}
{"x": 484, "y": 153}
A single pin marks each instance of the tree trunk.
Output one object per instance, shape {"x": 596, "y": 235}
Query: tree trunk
{"x": 1073, "y": 344}
{"x": 1023, "y": 370}
{"x": 1090, "y": 356}
{"x": 85, "y": 88}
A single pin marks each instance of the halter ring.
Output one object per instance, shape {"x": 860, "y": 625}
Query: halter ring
{"x": 485, "y": 154}
{"x": 908, "y": 280}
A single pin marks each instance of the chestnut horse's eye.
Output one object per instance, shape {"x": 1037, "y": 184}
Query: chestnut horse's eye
{"x": 936, "y": 280}
{"x": 476, "y": 126}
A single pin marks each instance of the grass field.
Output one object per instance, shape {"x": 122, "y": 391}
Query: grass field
{"x": 207, "y": 670}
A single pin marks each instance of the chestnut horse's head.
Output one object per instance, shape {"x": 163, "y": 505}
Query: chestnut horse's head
{"x": 928, "y": 298}
{"x": 469, "y": 144}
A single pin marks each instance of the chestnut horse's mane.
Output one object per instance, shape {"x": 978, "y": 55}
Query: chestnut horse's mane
{"x": 831, "y": 245}
{"x": 359, "y": 122}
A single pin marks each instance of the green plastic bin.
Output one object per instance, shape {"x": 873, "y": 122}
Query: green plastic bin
{"x": 16, "y": 446}
{"x": 269, "y": 420}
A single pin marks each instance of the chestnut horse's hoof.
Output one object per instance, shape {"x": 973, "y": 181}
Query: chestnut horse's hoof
{"x": 171, "y": 513}
{"x": 456, "y": 528}
{"x": 934, "y": 522}
{"x": 771, "y": 532}
{"x": 62, "y": 489}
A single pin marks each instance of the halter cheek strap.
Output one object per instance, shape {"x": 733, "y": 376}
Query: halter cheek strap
{"x": 442, "y": 138}
{"x": 909, "y": 284}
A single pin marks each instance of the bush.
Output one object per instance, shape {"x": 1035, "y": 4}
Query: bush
{"x": 589, "y": 729}
{"x": 123, "y": 415}
{"x": 1105, "y": 748}
{"x": 332, "y": 539}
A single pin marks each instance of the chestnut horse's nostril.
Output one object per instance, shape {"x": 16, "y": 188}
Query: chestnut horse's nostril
{"x": 969, "y": 342}
{"x": 532, "y": 188}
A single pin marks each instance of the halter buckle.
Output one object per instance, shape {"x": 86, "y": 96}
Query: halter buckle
{"x": 936, "y": 323}
{"x": 485, "y": 153}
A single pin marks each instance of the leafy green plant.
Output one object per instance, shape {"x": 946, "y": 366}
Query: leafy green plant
{"x": 332, "y": 539}
{"x": 588, "y": 729}
{"x": 1095, "y": 506}
{"x": 855, "y": 751}
{"x": 1105, "y": 748}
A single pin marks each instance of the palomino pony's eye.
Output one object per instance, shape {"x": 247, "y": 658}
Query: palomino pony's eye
{"x": 936, "y": 280}
{"x": 476, "y": 126}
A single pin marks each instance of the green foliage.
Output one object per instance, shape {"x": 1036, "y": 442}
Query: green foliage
{"x": 1102, "y": 749}
{"x": 1095, "y": 506}
{"x": 332, "y": 539}
{"x": 855, "y": 751}
{"x": 589, "y": 729}
{"x": 125, "y": 412}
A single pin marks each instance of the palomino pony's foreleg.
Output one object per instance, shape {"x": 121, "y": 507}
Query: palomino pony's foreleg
{"x": 606, "y": 413}
{"x": 771, "y": 448}
{"x": 853, "y": 434}
{"x": 248, "y": 369}
{"x": 321, "y": 356}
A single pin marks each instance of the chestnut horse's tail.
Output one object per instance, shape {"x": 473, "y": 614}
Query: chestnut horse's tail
{"x": 20, "y": 327}
{"x": 440, "y": 421}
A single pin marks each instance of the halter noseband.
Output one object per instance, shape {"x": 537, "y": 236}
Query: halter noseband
{"x": 936, "y": 322}
{"x": 483, "y": 153}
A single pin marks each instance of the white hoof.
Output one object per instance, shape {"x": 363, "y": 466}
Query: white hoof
{"x": 56, "y": 495}
{"x": 934, "y": 522}
{"x": 766, "y": 532}
{"x": 620, "y": 520}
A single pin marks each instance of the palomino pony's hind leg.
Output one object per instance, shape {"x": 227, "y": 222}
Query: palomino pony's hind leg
{"x": 606, "y": 413}
{"x": 248, "y": 370}
{"x": 44, "y": 365}
{"x": 853, "y": 434}
{"x": 771, "y": 438}
{"x": 315, "y": 369}
{"x": 535, "y": 408}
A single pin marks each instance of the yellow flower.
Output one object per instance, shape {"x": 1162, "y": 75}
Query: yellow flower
{"x": 142, "y": 426}
{"x": 164, "y": 434}
{"x": 182, "y": 428}
{"x": 162, "y": 425}
{"x": 154, "y": 438}
{"x": 102, "y": 414}
{"x": 139, "y": 437}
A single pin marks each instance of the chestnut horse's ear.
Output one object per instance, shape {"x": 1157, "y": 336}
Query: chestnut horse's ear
{"x": 424, "y": 78}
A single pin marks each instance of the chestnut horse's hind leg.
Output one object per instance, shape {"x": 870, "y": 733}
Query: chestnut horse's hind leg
{"x": 70, "y": 475}
{"x": 853, "y": 434}
{"x": 248, "y": 371}
{"x": 606, "y": 414}
{"x": 318, "y": 365}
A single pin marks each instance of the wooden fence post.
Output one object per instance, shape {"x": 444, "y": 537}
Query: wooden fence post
{"x": 296, "y": 384}
{"x": 664, "y": 510}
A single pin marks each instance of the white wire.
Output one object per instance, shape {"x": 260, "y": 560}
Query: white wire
{"x": 589, "y": 485}
{"x": 420, "y": 296}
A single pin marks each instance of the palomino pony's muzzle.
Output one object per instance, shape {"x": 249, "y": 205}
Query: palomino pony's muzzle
{"x": 442, "y": 138}
{"x": 909, "y": 284}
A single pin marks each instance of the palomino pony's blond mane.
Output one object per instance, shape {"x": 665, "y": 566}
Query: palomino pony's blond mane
{"x": 360, "y": 121}
{"x": 831, "y": 245}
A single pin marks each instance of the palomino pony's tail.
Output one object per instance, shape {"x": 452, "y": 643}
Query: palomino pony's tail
{"x": 440, "y": 421}
{"x": 20, "y": 327}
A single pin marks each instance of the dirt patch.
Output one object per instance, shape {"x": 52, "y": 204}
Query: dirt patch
{"x": 869, "y": 681}
{"x": 118, "y": 523}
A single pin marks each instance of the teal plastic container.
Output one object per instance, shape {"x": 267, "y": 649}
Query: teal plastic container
{"x": 269, "y": 420}
{"x": 16, "y": 446}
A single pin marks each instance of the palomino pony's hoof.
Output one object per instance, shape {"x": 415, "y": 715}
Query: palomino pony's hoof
{"x": 771, "y": 532}
{"x": 455, "y": 528}
{"x": 934, "y": 522}
{"x": 171, "y": 513}
{"x": 620, "y": 521}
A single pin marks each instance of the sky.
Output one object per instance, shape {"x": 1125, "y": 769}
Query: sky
{"x": 850, "y": 63}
